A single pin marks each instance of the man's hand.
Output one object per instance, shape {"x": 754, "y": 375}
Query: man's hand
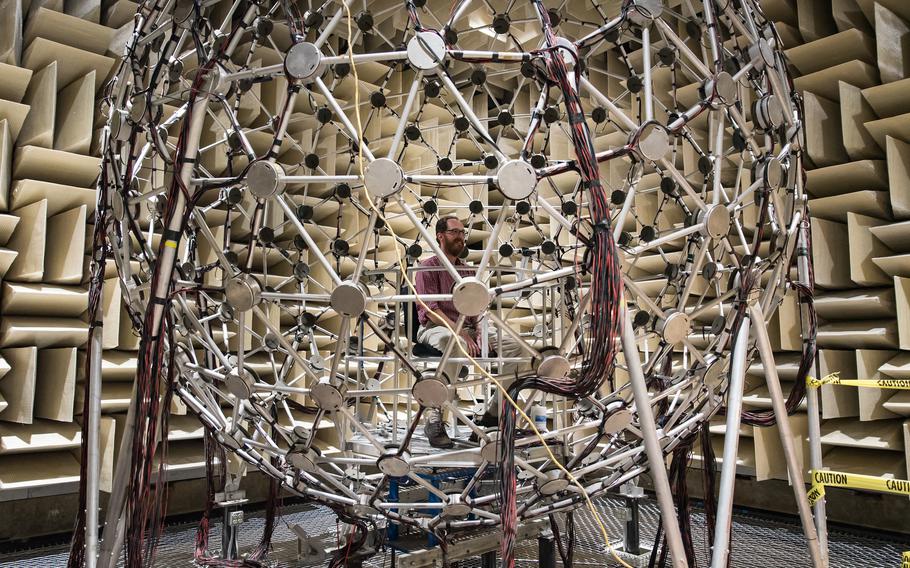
{"x": 471, "y": 345}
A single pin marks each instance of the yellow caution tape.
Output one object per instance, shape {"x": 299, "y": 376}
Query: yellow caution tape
{"x": 905, "y": 560}
{"x": 171, "y": 244}
{"x": 822, "y": 478}
{"x": 834, "y": 379}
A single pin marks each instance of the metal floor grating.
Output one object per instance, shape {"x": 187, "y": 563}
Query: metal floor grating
{"x": 758, "y": 539}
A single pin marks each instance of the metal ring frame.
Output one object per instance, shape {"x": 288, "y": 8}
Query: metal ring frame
{"x": 236, "y": 218}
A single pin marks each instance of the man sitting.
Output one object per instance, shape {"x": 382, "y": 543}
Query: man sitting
{"x": 450, "y": 234}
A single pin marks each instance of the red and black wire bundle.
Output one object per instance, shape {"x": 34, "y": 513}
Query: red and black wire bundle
{"x": 606, "y": 293}
{"x": 145, "y": 506}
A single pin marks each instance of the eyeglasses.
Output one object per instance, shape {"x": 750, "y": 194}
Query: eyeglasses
{"x": 454, "y": 232}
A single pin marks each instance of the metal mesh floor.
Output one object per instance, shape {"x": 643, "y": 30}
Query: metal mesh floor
{"x": 757, "y": 539}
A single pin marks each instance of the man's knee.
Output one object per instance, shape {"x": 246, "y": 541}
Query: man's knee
{"x": 437, "y": 337}
{"x": 509, "y": 347}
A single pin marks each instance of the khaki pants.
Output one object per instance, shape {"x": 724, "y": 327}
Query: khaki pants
{"x": 438, "y": 337}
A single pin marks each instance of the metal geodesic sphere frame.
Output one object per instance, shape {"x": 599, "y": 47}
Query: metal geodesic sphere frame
{"x": 259, "y": 259}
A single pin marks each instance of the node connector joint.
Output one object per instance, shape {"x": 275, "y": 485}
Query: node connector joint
{"x": 327, "y": 395}
{"x": 471, "y": 297}
{"x": 651, "y": 141}
{"x": 265, "y": 179}
{"x": 303, "y": 62}
{"x": 516, "y": 179}
{"x": 427, "y": 51}
{"x": 383, "y": 178}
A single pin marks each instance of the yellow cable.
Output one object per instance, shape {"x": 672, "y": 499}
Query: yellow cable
{"x": 401, "y": 265}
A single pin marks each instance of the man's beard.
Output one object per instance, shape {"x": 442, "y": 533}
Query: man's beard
{"x": 455, "y": 248}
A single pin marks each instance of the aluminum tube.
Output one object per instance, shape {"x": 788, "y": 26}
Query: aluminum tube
{"x": 364, "y": 248}
{"x": 608, "y": 104}
{"x": 290, "y": 180}
{"x": 553, "y": 213}
{"x": 684, "y": 232}
{"x": 786, "y": 435}
{"x": 313, "y": 248}
{"x": 691, "y": 58}
{"x": 627, "y": 204}
{"x": 453, "y": 179}
{"x": 405, "y": 112}
{"x": 720, "y": 550}
{"x": 815, "y": 444}
{"x": 468, "y": 111}
{"x": 683, "y": 183}
{"x": 333, "y": 23}
{"x": 459, "y": 11}
{"x": 646, "y": 64}
{"x": 507, "y": 329}
{"x": 93, "y": 471}
{"x": 540, "y": 279}
{"x": 598, "y": 34}
{"x": 114, "y": 524}
{"x": 656, "y": 462}
{"x": 413, "y": 298}
{"x": 343, "y": 118}
{"x": 165, "y": 266}
{"x": 447, "y": 352}
{"x": 365, "y": 57}
{"x": 493, "y": 240}
{"x": 569, "y": 336}
{"x": 495, "y": 55}
{"x": 815, "y": 462}
{"x": 265, "y": 71}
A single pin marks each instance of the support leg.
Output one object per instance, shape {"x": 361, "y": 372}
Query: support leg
{"x": 815, "y": 443}
{"x": 721, "y": 547}
{"x": 93, "y": 471}
{"x": 546, "y": 550}
{"x": 656, "y": 462}
{"x": 114, "y": 520}
{"x": 786, "y": 435}
{"x": 229, "y": 531}
{"x": 631, "y": 537}
{"x": 488, "y": 559}
{"x": 815, "y": 462}
{"x": 392, "y": 530}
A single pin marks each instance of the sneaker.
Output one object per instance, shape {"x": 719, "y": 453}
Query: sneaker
{"x": 435, "y": 430}
{"x": 488, "y": 420}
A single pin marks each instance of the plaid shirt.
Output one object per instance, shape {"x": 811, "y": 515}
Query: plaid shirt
{"x": 440, "y": 282}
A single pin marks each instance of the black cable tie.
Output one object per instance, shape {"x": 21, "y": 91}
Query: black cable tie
{"x": 171, "y": 235}
{"x": 159, "y": 301}
{"x": 602, "y": 225}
